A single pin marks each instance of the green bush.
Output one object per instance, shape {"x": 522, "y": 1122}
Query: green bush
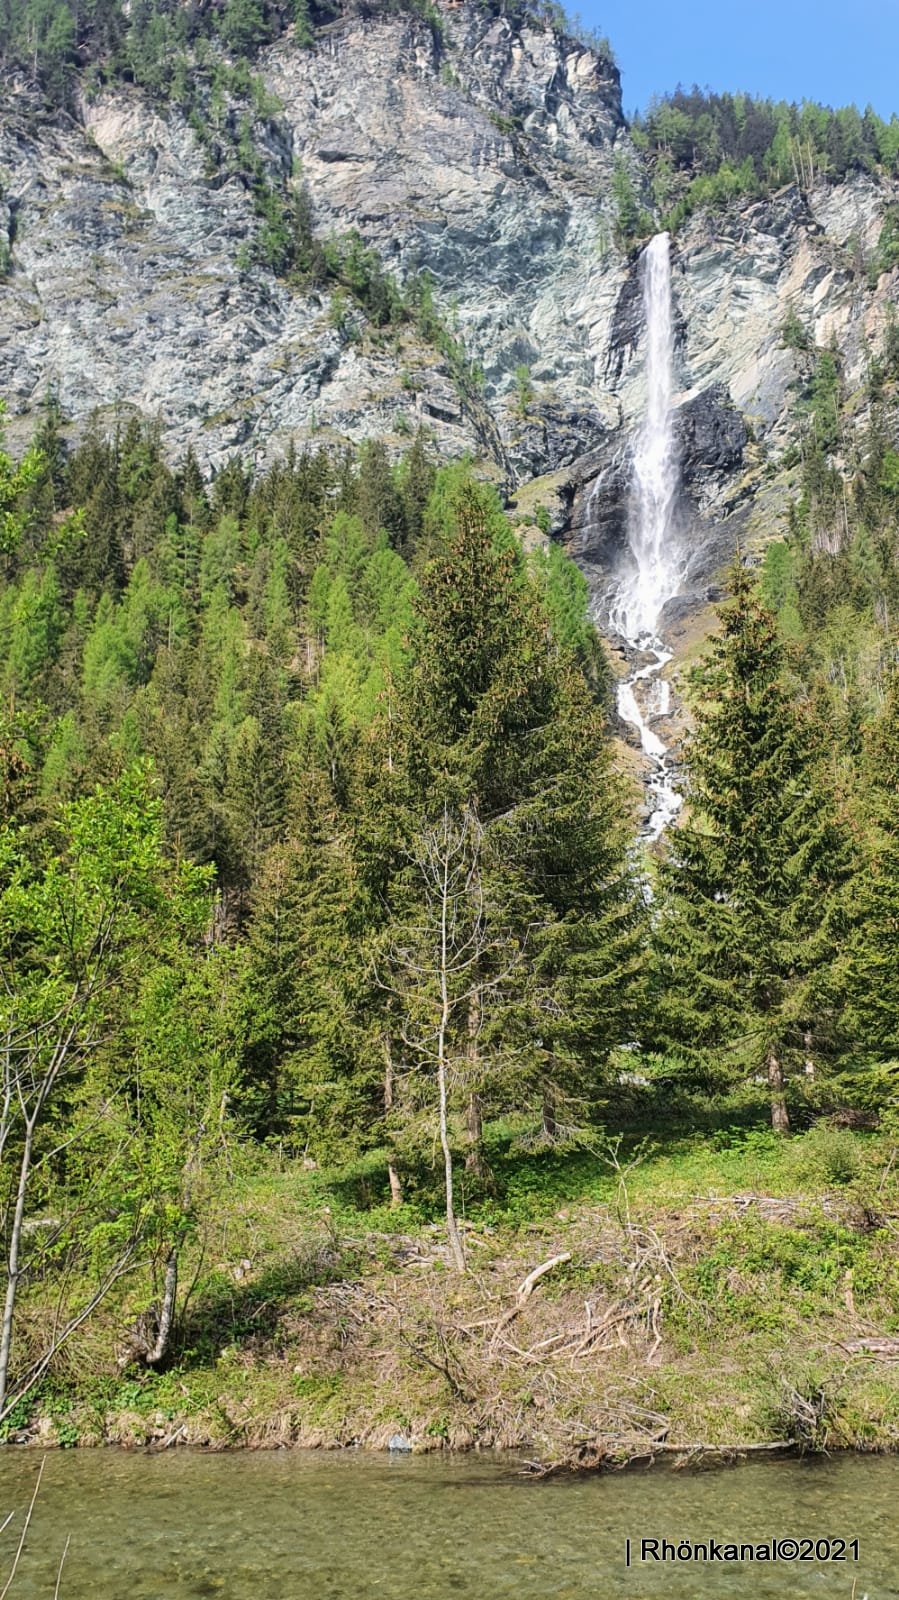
{"x": 828, "y": 1155}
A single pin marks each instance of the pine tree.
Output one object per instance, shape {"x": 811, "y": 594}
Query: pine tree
{"x": 255, "y": 791}
{"x": 751, "y": 904}
{"x": 306, "y": 1077}
{"x": 379, "y": 502}
{"x": 416, "y": 482}
{"x": 874, "y": 961}
{"x": 493, "y": 722}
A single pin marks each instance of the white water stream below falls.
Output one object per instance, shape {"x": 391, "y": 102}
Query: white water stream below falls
{"x": 654, "y": 572}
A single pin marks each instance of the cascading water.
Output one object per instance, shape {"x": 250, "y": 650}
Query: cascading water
{"x": 654, "y": 572}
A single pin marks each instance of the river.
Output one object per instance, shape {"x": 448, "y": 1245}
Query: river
{"x": 314, "y": 1526}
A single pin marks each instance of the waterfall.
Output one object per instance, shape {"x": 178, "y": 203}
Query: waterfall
{"x": 654, "y": 572}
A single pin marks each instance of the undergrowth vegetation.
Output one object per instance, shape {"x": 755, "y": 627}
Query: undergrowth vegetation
{"x": 317, "y": 1315}
{"x": 363, "y": 1012}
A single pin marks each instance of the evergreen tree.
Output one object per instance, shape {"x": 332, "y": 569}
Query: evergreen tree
{"x": 16, "y": 481}
{"x": 874, "y": 968}
{"x": 493, "y": 722}
{"x": 305, "y": 1077}
{"x": 379, "y": 501}
{"x": 416, "y": 483}
{"x": 751, "y": 905}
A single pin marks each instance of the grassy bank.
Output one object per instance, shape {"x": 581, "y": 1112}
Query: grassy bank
{"x": 719, "y": 1289}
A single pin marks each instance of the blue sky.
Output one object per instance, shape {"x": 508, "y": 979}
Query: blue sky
{"x": 790, "y": 49}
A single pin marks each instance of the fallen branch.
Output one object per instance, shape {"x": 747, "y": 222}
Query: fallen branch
{"x": 169, "y": 1440}
{"x": 62, "y": 1562}
{"x": 655, "y": 1315}
{"x": 605, "y": 1454}
{"x": 524, "y": 1292}
{"x": 886, "y": 1347}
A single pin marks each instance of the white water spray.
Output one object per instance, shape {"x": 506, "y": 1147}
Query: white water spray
{"x": 654, "y": 573}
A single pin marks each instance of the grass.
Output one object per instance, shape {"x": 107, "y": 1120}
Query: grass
{"x": 728, "y": 1268}
{"x": 530, "y": 1185}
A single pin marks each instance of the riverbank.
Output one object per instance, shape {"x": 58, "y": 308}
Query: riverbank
{"x": 727, "y": 1291}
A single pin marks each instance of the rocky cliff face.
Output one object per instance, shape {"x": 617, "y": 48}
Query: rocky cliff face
{"x": 485, "y": 158}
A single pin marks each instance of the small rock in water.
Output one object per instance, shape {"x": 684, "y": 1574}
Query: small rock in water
{"x": 399, "y": 1442}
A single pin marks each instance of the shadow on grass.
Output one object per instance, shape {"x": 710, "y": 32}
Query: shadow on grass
{"x": 225, "y": 1312}
{"x": 527, "y": 1178}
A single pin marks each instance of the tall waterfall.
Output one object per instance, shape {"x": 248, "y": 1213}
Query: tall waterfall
{"x": 654, "y": 572}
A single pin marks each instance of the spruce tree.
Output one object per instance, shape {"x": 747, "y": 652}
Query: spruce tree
{"x": 493, "y": 721}
{"x": 306, "y": 1077}
{"x": 874, "y": 958}
{"x": 751, "y": 903}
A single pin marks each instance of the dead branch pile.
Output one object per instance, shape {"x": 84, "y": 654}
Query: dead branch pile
{"x": 512, "y": 1355}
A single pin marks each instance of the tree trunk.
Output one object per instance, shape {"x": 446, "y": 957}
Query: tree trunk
{"x": 474, "y": 1131}
{"x": 550, "y": 1126}
{"x": 452, "y": 1228}
{"x": 167, "y": 1311}
{"x": 12, "y": 1267}
{"x": 474, "y": 1120}
{"x": 393, "y": 1177}
{"x": 809, "y": 1059}
{"x": 780, "y": 1120}
{"x": 396, "y": 1187}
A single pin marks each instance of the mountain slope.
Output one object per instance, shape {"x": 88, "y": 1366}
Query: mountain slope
{"x": 486, "y": 162}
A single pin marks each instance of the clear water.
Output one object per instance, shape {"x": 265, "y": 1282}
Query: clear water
{"x": 307, "y": 1526}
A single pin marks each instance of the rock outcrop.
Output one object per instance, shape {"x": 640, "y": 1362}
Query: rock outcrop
{"x": 485, "y": 158}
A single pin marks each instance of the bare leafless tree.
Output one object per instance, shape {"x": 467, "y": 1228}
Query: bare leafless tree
{"x": 442, "y": 956}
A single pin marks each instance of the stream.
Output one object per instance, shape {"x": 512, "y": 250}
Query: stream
{"x": 294, "y": 1525}
{"x": 644, "y": 695}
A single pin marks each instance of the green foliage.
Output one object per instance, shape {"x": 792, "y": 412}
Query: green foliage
{"x": 525, "y": 390}
{"x": 350, "y": 263}
{"x": 794, "y": 334}
{"x": 779, "y": 589}
{"x": 566, "y": 599}
{"x": 713, "y": 192}
{"x": 887, "y": 255}
{"x": 433, "y": 327}
{"x": 243, "y": 27}
{"x": 493, "y": 727}
{"x": 631, "y": 222}
{"x": 707, "y": 149}
{"x": 90, "y": 914}
{"x": 752, "y": 911}
{"x": 823, "y": 404}
{"x": 829, "y": 1156}
{"x": 308, "y": 668}
{"x": 15, "y": 481}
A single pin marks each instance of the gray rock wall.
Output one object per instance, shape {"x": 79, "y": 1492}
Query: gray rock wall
{"x": 486, "y": 160}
